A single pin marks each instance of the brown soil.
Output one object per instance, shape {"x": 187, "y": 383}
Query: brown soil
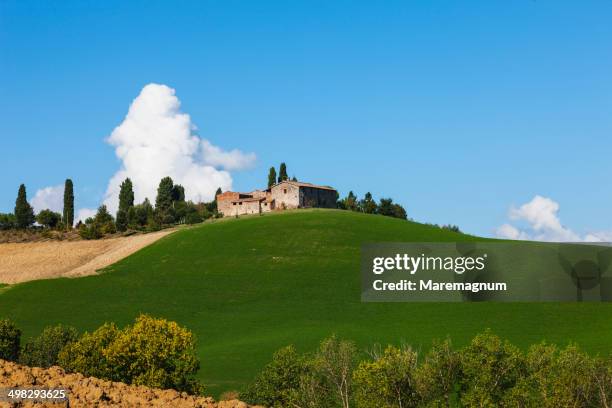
{"x": 93, "y": 392}
{"x": 20, "y": 262}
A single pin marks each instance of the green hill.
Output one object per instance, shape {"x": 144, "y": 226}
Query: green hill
{"x": 247, "y": 287}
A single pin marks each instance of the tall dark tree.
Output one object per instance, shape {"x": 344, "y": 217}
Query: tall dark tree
{"x": 163, "y": 201}
{"x": 68, "y": 215}
{"x": 282, "y": 172}
{"x": 126, "y": 201}
{"x": 271, "y": 177}
{"x": 178, "y": 193}
{"x": 126, "y": 195}
{"x": 24, "y": 214}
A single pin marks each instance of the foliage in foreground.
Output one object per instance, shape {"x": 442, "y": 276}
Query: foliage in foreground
{"x": 43, "y": 351}
{"x": 152, "y": 352}
{"x": 489, "y": 372}
{"x": 10, "y": 337}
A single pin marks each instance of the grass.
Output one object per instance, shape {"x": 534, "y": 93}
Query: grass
{"x": 250, "y": 286}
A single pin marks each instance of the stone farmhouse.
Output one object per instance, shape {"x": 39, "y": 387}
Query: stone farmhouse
{"x": 281, "y": 196}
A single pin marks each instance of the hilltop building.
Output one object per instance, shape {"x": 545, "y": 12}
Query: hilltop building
{"x": 284, "y": 195}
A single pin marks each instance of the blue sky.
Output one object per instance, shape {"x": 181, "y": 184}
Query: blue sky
{"x": 457, "y": 110}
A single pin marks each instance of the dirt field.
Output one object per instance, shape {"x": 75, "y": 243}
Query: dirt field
{"x": 20, "y": 262}
{"x": 92, "y": 392}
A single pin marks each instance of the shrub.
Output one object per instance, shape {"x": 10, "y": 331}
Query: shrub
{"x": 278, "y": 382}
{"x": 7, "y": 221}
{"x": 87, "y": 354}
{"x": 334, "y": 363}
{"x": 388, "y": 381}
{"x": 152, "y": 352}
{"x": 48, "y": 218}
{"x": 490, "y": 369}
{"x": 562, "y": 378}
{"x": 90, "y": 230}
{"x": 10, "y": 337}
{"x": 43, "y": 350}
{"x": 438, "y": 374}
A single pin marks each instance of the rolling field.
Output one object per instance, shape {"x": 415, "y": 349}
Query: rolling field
{"x": 250, "y": 286}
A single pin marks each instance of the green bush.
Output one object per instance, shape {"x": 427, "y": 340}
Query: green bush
{"x": 438, "y": 374}
{"x": 7, "y": 221}
{"x": 43, "y": 350}
{"x": 10, "y": 336}
{"x": 48, "y": 218}
{"x": 152, "y": 352}
{"x": 279, "y": 381}
{"x": 87, "y": 354}
{"x": 388, "y": 381}
{"x": 90, "y": 230}
{"x": 490, "y": 369}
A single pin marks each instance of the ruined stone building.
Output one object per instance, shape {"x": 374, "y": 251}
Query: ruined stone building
{"x": 284, "y": 195}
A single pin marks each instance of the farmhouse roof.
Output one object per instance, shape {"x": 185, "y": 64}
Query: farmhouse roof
{"x": 302, "y": 184}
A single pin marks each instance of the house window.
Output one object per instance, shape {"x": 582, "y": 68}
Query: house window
{"x": 240, "y": 203}
{"x": 284, "y": 191}
{"x": 234, "y": 203}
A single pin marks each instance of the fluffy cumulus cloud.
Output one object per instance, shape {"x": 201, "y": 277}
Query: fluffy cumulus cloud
{"x": 156, "y": 140}
{"x": 49, "y": 197}
{"x": 541, "y": 215}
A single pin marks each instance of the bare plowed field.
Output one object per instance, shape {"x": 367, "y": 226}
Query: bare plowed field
{"x": 20, "y": 262}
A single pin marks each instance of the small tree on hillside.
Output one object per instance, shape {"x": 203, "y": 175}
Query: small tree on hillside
{"x": 24, "y": 214}
{"x": 68, "y": 215}
{"x": 368, "y": 205}
{"x": 48, "y": 218}
{"x": 271, "y": 177}
{"x": 282, "y": 172}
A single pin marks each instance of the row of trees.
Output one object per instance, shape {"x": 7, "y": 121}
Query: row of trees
{"x": 23, "y": 216}
{"x": 489, "y": 372}
{"x": 368, "y": 205}
{"x": 282, "y": 175}
{"x": 170, "y": 208}
{"x": 152, "y": 352}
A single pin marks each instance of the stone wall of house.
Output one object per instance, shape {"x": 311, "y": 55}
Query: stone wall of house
{"x": 286, "y": 195}
{"x": 317, "y": 197}
{"x": 224, "y": 202}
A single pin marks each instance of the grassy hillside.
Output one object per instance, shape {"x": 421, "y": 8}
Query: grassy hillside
{"x": 247, "y": 287}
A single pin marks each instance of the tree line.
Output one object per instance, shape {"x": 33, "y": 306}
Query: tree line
{"x": 170, "y": 208}
{"x": 23, "y": 216}
{"x": 488, "y": 372}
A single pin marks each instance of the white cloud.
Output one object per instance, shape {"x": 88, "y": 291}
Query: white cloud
{"x": 156, "y": 140}
{"x": 232, "y": 160}
{"x": 85, "y": 213}
{"x": 541, "y": 215}
{"x": 51, "y": 197}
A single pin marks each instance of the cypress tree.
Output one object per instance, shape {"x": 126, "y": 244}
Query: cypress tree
{"x": 282, "y": 173}
{"x": 163, "y": 201}
{"x": 126, "y": 201}
{"x": 271, "y": 177}
{"x": 24, "y": 214}
{"x": 68, "y": 216}
{"x": 126, "y": 195}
